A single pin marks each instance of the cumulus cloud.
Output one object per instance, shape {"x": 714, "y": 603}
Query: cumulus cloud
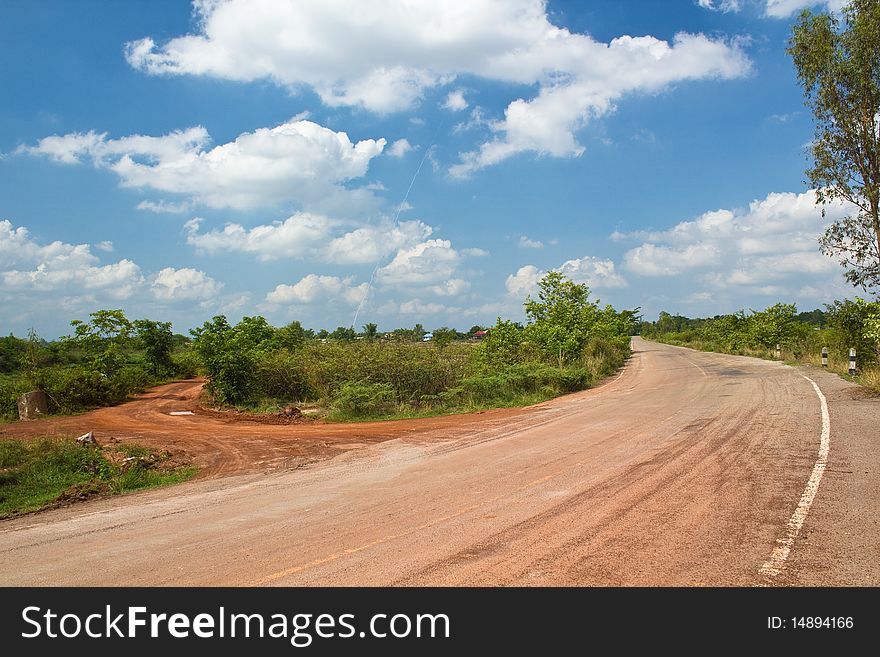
{"x": 452, "y": 288}
{"x": 184, "y": 284}
{"x": 653, "y": 260}
{"x": 597, "y": 273}
{"x": 400, "y": 148}
{"x": 318, "y": 289}
{"x": 785, "y": 8}
{"x": 421, "y": 308}
{"x": 527, "y": 243}
{"x": 295, "y": 237}
{"x": 372, "y": 242}
{"x": 773, "y": 240}
{"x": 295, "y": 161}
{"x": 384, "y": 55}
{"x": 524, "y": 282}
{"x": 724, "y": 6}
{"x": 428, "y": 262}
{"x": 28, "y": 265}
{"x": 164, "y": 207}
{"x": 306, "y": 235}
{"x": 455, "y": 101}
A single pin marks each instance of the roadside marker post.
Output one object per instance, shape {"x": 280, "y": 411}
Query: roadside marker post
{"x": 778, "y": 352}
{"x": 824, "y": 356}
{"x": 852, "y": 362}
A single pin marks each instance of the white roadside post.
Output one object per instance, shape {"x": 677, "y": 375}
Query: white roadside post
{"x": 824, "y": 356}
{"x": 778, "y": 352}
{"x": 852, "y": 362}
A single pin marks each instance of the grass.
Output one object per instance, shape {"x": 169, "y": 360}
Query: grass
{"x": 47, "y": 472}
{"x": 405, "y": 412}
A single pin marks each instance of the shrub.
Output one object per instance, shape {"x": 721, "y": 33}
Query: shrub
{"x": 364, "y": 399}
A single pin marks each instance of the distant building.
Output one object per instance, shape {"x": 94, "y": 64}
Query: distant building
{"x": 479, "y": 335}
{"x": 427, "y": 337}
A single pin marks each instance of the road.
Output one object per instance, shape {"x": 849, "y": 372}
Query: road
{"x": 687, "y": 469}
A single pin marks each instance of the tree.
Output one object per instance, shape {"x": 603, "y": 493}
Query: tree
{"x": 292, "y": 336}
{"x": 103, "y": 338}
{"x": 343, "y": 334}
{"x": 562, "y": 317}
{"x": 443, "y": 336}
{"x": 371, "y": 331}
{"x": 157, "y": 341}
{"x": 838, "y": 65}
{"x": 229, "y": 354}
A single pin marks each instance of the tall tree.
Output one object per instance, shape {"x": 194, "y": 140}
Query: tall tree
{"x": 838, "y": 64}
{"x": 157, "y": 341}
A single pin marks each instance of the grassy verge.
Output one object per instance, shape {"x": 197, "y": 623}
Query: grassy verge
{"x": 46, "y": 472}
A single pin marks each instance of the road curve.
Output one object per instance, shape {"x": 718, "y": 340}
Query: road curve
{"x": 684, "y": 470}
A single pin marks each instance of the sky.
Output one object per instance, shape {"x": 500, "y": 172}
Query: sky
{"x": 401, "y": 162}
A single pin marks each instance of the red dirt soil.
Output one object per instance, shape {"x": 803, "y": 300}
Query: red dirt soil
{"x": 221, "y": 444}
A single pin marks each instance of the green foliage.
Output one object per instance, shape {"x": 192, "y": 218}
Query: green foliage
{"x": 371, "y": 331}
{"x": 563, "y": 320}
{"x": 157, "y": 341}
{"x": 838, "y": 65}
{"x": 37, "y": 473}
{"x": 344, "y": 334}
{"x": 503, "y": 345}
{"x": 185, "y": 363}
{"x": 850, "y": 324}
{"x": 102, "y": 339}
{"x": 444, "y": 336}
{"x": 12, "y": 351}
{"x": 228, "y": 354}
{"x": 364, "y": 399}
{"x": 775, "y": 325}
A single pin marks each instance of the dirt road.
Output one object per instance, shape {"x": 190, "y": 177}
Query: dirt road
{"x": 688, "y": 469}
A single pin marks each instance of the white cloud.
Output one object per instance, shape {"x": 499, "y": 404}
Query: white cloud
{"x": 725, "y": 6}
{"x": 318, "y": 289}
{"x": 295, "y": 237}
{"x": 452, "y": 288}
{"x": 27, "y": 265}
{"x": 295, "y": 161}
{"x": 383, "y": 56}
{"x": 371, "y": 243}
{"x": 421, "y": 308}
{"x": 455, "y": 101}
{"x": 527, "y": 243}
{"x": 428, "y": 262}
{"x": 594, "y": 272}
{"x": 305, "y": 235}
{"x": 524, "y": 282}
{"x": 785, "y": 8}
{"x": 597, "y": 76}
{"x": 653, "y": 260}
{"x": 184, "y": 285}
{"x": 164, "y": 207}
{"x": 474, "y": 252}
{"x": 105, "y": 245}
{"x": 774, "y": 239}
{"x": 399, "y": 148}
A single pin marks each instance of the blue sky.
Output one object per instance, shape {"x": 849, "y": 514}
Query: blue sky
{"x": 245, "y": 157}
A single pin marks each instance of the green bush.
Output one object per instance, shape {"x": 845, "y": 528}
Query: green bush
{"x": 364, "y": 399}
{"x": 185, "y": 364}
